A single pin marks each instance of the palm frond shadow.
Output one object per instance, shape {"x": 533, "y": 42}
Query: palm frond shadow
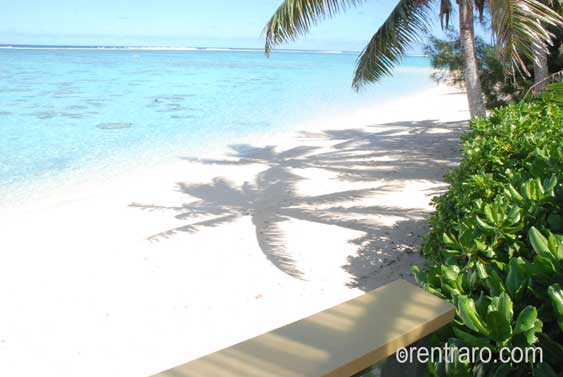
{"x": 410, "y": 150}
{"x": 245, "y": 154}
{"x": 404, "y": 150}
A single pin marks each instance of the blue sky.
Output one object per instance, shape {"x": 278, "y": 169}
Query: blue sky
{"x": 214, "y": 23}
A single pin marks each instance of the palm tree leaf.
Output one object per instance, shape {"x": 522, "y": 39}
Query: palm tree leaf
{"x": 480, "y": 6}
{"x": 521, "y": 29}
{"x": 407, "y": 22}
{"x": 445, "y": 13}
{"x": 294, "y": 18}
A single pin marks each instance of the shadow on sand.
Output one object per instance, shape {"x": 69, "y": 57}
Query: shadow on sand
{"x": 381, "y": 157}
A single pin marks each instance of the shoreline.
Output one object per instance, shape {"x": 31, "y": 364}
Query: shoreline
{"x": 47, "y": 192}
{"x": 163, "y": 265}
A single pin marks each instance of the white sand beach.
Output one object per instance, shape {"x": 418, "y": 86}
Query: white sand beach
{"x": 131, "y": 276}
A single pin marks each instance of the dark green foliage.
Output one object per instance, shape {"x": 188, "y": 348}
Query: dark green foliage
{"x": 555, "y": 60}
{"x": 496, "y": 240}
{"x": 555, "y": 90}
{"x": 447, "y": 58}
{"x": 498, "y": 87}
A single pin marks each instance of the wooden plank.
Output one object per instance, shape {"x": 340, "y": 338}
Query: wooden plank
{"x": 338, "y": 342}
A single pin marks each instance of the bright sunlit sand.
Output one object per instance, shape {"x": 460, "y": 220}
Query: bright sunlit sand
{"x": 134, "y": 275}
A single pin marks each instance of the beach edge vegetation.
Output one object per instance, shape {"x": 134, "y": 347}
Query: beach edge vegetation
{"x": 495, "y": 247}
{"x": 499, "y": 86}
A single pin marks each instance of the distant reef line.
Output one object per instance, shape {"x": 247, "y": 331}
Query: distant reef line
{"x": 169, "y": 48}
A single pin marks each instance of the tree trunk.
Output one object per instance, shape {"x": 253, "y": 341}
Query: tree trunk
{"x": 470, "y": 68}
{"x": 541, "y": 70}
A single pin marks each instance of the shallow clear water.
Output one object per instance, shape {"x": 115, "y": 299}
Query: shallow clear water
{"x": 70, "y": 111}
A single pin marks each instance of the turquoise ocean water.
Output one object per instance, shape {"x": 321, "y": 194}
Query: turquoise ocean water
{"x": 67, "y": 112}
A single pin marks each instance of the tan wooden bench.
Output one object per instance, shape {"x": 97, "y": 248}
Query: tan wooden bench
{"x": 338, "y": 342}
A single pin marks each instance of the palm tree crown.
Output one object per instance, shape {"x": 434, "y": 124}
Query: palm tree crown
{"x": 520, "y": 28}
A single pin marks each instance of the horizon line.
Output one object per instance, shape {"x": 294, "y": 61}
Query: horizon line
{"x": 164, "y": 47}
{"x": 170, "y": 48}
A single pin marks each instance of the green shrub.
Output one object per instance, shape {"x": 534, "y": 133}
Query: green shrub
{"x": 496, "y": 241}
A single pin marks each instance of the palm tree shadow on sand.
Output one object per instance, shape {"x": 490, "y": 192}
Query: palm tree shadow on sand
{"x": 402, "y": 151}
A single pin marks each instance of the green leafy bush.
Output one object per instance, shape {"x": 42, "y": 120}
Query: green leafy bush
{"x": 496, "y": 241}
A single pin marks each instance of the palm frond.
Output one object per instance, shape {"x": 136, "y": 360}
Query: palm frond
{"x": 521, "y": 29}
{"x": 445, "y": 13}
{"x": 480, "y": 6}
{"x": 294, "y": 18}
{"x": 408, "y": 21}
